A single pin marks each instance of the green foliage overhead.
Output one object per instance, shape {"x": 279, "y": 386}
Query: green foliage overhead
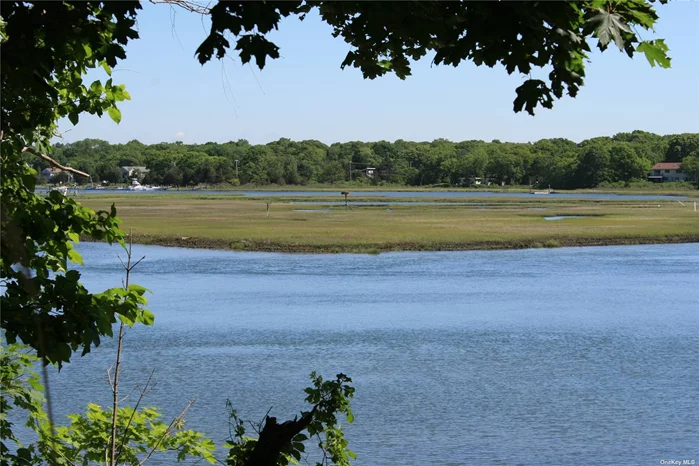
{"x": 387, "y": 37}
{"x": 656, "y": 52}
{"x": 47, "y": 48}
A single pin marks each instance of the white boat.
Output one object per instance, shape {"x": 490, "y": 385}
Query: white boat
{"x": 548, "y": 191}
{"x": 61, "y": 189}
{"x": 136, "y": 186}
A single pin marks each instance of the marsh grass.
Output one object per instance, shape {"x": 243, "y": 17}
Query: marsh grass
{"x": 227, "y": 222}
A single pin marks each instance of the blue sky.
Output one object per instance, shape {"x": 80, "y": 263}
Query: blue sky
{"x": 305, "y": 94}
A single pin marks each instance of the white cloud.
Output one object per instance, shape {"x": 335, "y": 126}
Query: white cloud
{"x": 179, "y": 134}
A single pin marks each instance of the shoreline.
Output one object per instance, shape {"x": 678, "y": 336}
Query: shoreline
{"x": 631, "y": 191}
{"x": 377, "y": 248}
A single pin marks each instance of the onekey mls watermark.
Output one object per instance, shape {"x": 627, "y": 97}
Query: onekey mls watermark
{"x": 678, "y": 462}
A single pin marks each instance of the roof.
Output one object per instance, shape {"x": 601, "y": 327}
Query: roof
{"x": 667, "y": 166}
{"x": 52, "y": 170}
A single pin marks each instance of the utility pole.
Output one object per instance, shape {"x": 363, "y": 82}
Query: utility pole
{"x": 350, "y": 171}
{"x": 236, "y": 169}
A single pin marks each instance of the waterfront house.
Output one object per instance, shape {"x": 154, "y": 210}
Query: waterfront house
{"x": 667, "y": 171}
{"x": 51, "y": 172}
{"x": 134, "y": 172}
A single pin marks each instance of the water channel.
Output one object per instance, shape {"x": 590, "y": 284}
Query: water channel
{"x": 537, "y": 357}
{"x": 391, "y": 194}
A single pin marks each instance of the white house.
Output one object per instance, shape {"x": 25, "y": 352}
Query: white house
{"x": 667, "y": 171}
{"x": 134, "y": 172}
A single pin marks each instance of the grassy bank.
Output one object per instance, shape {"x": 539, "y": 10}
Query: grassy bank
{"x": 241, "y": 224}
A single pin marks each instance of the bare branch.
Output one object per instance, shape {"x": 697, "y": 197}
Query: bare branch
{"x": 117, "y": 368}
{"x": 47, "y": 390}
{"x": 109, "y": 377}
{"x": 54, "y": 163}
{"x": 115, "y": 393}
{"x": 256, "y": 427}
{"x": 133, "y": 390}
{"x": 137, "y": 262}
{"x": 194, "y": 7}
{"x": 122, "y": 262}
{"x": 146, "y": 389}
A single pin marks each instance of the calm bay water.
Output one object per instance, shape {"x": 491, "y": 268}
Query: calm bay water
{"x": 549, "y": 356}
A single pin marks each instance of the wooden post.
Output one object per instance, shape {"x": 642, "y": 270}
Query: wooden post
{"x": 268, "y": 205}
{"x": 346, "y": 193}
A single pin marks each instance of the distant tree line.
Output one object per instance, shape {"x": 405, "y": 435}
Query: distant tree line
{"x": 560, "y": 163}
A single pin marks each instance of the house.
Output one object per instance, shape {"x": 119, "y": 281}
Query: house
{"x": 474, "y": 181}
{"x": 50, "y": 172}
{"x": 369, "y": 172}
{"x": 134, "y": 172}
{"x": 667, "y": 171}
{"x": 53, "y": 175}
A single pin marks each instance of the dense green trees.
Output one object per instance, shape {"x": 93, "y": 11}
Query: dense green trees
{"x": 560, "y": 163}
{"x": 690, "y": 165}
{"x": 682, "y": 145}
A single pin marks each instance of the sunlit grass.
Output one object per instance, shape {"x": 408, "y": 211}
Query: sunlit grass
{"x": 232, "y": 222}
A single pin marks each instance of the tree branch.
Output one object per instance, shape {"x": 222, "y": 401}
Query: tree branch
{"x": 54, "y": 163}
{"x": 194, "y": 7}
{"x": 167, "y": 431}
{"x": 274, "y": 437}
{"x": 144, "y": 391}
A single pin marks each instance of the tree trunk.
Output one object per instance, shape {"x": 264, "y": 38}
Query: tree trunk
{"x": 274, "y": 437}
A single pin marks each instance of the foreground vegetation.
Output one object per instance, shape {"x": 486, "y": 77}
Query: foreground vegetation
{"x": 229, "y": 222}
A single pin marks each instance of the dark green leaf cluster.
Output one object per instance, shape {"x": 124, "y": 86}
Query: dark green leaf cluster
{"x": 330, "y": 398}
{"x": 47, "y": 48}
{"x": 387, "y": 37}
{"x": 20, "y": 390}
{"x": 44, "y": 304}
